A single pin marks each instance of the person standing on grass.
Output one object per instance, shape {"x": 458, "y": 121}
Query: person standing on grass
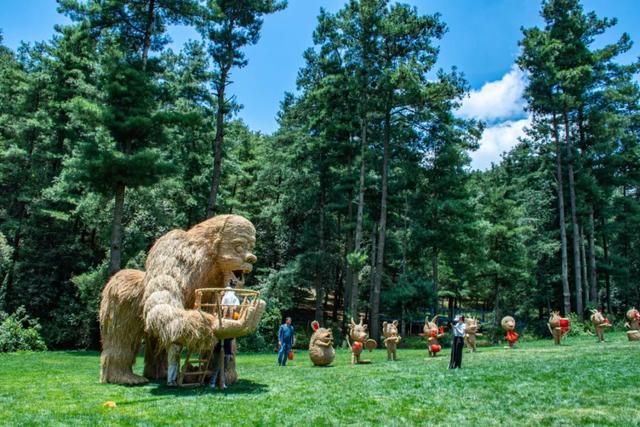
{"x": 286, "y": 340}
{"x": 458, "y": 342}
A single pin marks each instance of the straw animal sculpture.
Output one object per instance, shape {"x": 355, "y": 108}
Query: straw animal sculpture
{"x": 633, "y": 324}
{"x": 599, "y": 323}
{"x": 358, "y": 340}
{"x": 432, "y": 333}
{"x": 509, "y": 325}
{"x": 391, "y": 339}
{"x": 157, "y": 305}
{"x": 472, "y": 325}
{"x": 558, "y": 326}
{"x": 321, "y": 350}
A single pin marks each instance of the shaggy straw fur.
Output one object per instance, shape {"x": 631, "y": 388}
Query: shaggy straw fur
{"x": 391, "y": 339}
{"x": 321, "y": 350}
{"x": 121, "y": 327}
{"x": 162, "y": 299}
{"x": 633, "y": 324}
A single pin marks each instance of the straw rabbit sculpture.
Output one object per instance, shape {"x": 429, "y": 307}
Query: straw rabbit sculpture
{"x": 356, "y": 339}
{"x": 599, "y": 323}
{"x": 558, "y": 326}
{"x": 432, "y": 333}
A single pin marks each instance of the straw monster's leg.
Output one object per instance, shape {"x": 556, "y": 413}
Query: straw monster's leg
{"x": 121, "y": 328}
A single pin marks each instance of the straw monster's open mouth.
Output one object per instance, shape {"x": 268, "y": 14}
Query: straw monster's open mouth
{"x": 239, "y": 276}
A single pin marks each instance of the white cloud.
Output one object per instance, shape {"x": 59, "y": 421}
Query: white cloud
{"x": 498, "y": 100}
{"x": 496, "y": 140}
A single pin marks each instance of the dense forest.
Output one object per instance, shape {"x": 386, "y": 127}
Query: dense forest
{"x": 364, "y": 200}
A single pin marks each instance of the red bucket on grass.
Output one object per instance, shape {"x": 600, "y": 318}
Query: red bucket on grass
{"x": 290, "y": 355}
{"x": 435, "y": 348}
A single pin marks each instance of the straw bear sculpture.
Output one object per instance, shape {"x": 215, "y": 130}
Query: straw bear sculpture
{"x": 157, "y": 305}
{"x": 391, "y": 339}
{"x": 472, "y": 325}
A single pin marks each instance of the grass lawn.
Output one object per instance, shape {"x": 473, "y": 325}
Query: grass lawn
{"x": 578, "y": 383}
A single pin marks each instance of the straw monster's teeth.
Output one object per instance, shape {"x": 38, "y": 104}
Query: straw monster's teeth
{"x": 239, "y": 277}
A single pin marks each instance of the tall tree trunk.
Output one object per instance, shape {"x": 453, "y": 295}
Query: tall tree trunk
{"x": 583, "y": 259}
{"x": 359, "y": 216}
{"x": 577, "y": 270}
{"x": 346, "y": 292}
{"x": 217, "y": 146}
{"x": 607, "y": 277}
{"x": 566, "y": 292}
{"x": 496, "y": 304}
{"x": 434, "y": 275}
{"x": 374, "y": 233}
{"x": 382, "y": 231}
{"x": 593, "y": 288}
{"x": 320, "y": 288}
{"x": 403, "y": 311}
{"x": 151, "y": 17}
{"x": 116, "y": 230}
{"x": 15, "y": 259}
{"x": 405, "y": 237}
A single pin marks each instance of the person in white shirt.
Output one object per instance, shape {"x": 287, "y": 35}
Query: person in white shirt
{"x": 229, "y": 300}
{"x": 458, "y": 342}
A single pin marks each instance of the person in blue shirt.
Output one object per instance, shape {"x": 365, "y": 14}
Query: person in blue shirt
{"x": 286, "y": 340}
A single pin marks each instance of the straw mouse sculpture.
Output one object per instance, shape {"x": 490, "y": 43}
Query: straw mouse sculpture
{"x": 471, "y": 332}
{"x": 558, "y": 326}
{"x": 432, "y": 333}
{"x": 321, "y": 351}
{"x": 358, "y": 339}
{"x": 157, "y": 304}
{"x": 633, "y": 324}
{"x": 391, "y": 339}
{"x": 599, "y": 323}
{"x": 508, "y": 323}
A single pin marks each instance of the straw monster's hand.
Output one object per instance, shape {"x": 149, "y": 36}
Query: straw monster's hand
{"x": 243, "y": 326}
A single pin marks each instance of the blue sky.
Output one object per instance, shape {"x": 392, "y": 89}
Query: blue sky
{"x": 481, "y": 42}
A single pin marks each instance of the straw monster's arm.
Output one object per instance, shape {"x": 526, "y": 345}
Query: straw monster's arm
{"x": 166, "y": 317}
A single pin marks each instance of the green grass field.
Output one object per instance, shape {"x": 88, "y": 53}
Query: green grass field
{"x": 578, "y": 383}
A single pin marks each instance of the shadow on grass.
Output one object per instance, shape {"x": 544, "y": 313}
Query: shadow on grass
{"x": 82, "y": 353}
{"x": 241, "y": 387}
